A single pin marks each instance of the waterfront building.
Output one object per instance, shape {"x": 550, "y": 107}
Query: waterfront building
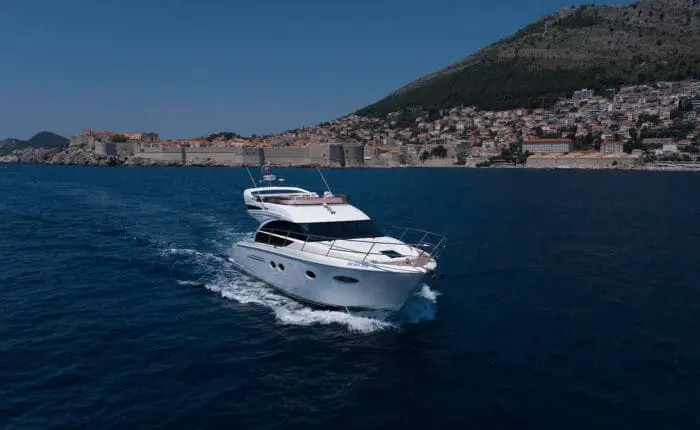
{"x": 670, "y": 148}
{"x": 548, "y": 146}
{"x": 611, "y": 147}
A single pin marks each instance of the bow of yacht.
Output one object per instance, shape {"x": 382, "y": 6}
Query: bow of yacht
{"x": 322, "y": 250}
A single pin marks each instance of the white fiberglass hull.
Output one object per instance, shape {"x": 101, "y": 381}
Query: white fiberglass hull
{"x": 262, "y": 216}
{"x": 329, "y": 282}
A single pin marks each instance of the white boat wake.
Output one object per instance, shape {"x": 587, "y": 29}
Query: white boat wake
{"x": 219, "y": 275}
{"x": 245, "y": 290}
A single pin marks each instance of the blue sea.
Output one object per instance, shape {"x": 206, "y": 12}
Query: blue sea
{"x": 570, "y": 300}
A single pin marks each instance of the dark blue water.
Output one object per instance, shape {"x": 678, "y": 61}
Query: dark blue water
{"x": 570, "y": 300}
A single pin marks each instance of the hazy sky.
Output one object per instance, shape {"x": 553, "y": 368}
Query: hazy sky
{"x": 191, "y": 67}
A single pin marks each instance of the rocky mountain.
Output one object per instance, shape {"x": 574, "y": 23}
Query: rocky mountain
{"x": 9, "y": 145}
{"x": 579, "y": 47}
{"x": 44, "y": 139}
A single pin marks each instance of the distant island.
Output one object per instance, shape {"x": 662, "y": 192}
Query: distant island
{"x": 587, "y": 87}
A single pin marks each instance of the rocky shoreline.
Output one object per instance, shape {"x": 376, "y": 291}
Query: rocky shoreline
{"x": 84, "y": 157}
{"x": 76, "y": 157}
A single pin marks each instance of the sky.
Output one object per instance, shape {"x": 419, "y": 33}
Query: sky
{"x": 187, "y": 68}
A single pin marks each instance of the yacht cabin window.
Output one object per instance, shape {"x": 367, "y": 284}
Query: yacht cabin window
{"x": 317, "y": 231}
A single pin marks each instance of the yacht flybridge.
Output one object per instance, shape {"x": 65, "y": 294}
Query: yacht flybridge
{"x": 322, "y": 250}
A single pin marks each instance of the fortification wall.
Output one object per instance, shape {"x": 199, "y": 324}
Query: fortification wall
{"x": 327, "y": 154}
{"x": 169, "y": 155}
{"x": 81, "y": 141}
{"x": 105, "y": 148}
{"x": 231, "y": 156}
{"x": 287, "y": 156}
{"x": 253, "y": 156}
{"x": 581, "y": 162}
{"x": 334, "y": 155}
{"x": 438, "y": 162}
{"x": 126, "y": 148}
{"x": 354, "y": 154}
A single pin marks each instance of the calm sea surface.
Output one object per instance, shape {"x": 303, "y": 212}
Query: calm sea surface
{"x": 571, "y": 300}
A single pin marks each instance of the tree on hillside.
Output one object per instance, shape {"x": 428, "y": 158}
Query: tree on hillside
{"x": 643, "y": 117}
{"x": 585, "y": 142}
{"x": 120, "y": 138}
{"x": 226, "y": 135}
{"x": 515, "y": 147}
{"x": 506, "y": 154}
{"x": 439, "y": 152}
{"x": 406, "y": 118}
{"x": 433, "y": 114}
{"x": 522, "y": 157}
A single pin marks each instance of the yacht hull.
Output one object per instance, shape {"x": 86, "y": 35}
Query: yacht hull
{"x": 328, "y": 282}
{"x": 262, "y": 216}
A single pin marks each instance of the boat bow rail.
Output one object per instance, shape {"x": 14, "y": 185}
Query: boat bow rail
{"x": 428, "y": 245}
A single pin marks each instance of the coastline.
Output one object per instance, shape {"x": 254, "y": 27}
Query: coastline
{"x": 82, "y": 157}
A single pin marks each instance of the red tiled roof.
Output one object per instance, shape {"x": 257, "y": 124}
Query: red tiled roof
{"x": 547, "y": 140}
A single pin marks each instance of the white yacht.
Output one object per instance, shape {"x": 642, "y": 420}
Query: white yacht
{"x": 322, "y": 250}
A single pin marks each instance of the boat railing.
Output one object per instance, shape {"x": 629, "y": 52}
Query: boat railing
{"x": 303, "y": 199}
{"x": 430, "y": 245}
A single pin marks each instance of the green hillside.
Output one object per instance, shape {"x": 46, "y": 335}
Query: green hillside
{"x": 44, "y": 139}
{"x": 579, "y": 47}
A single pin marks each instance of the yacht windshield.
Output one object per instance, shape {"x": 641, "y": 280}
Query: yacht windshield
{"x": 281, "y": 191}
{"x": 341, "y": 230}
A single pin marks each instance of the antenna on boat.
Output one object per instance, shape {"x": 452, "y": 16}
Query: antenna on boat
{"x": 251, "y": 178}
{"x": 255, "y": 186}
{"x": 324, "y": 180}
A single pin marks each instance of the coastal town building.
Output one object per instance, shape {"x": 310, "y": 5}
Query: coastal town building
{"x": 583, "y": 94}
{"x": 611, "y": 147}
{"x": 654, "y": 116}
{"x": 669, "y": 148}
{"x": 548, "y": 146}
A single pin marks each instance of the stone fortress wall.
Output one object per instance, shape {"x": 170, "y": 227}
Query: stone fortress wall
{"x": 325, "y": 154}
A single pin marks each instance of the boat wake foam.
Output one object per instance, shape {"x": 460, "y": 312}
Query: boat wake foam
{"x": 245, "y": 290}
{"x": 221, "y": 276}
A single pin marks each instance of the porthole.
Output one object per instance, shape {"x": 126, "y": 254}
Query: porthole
{"x": 272, "y": 264}
{"x": 345, "y": 279}
{"x": 281, "y": 266}
{"x": 310, "y": 274}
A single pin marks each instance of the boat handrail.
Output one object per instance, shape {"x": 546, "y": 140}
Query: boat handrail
{"x": 430, "y": 245}
{"x": 303, "y": 199}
